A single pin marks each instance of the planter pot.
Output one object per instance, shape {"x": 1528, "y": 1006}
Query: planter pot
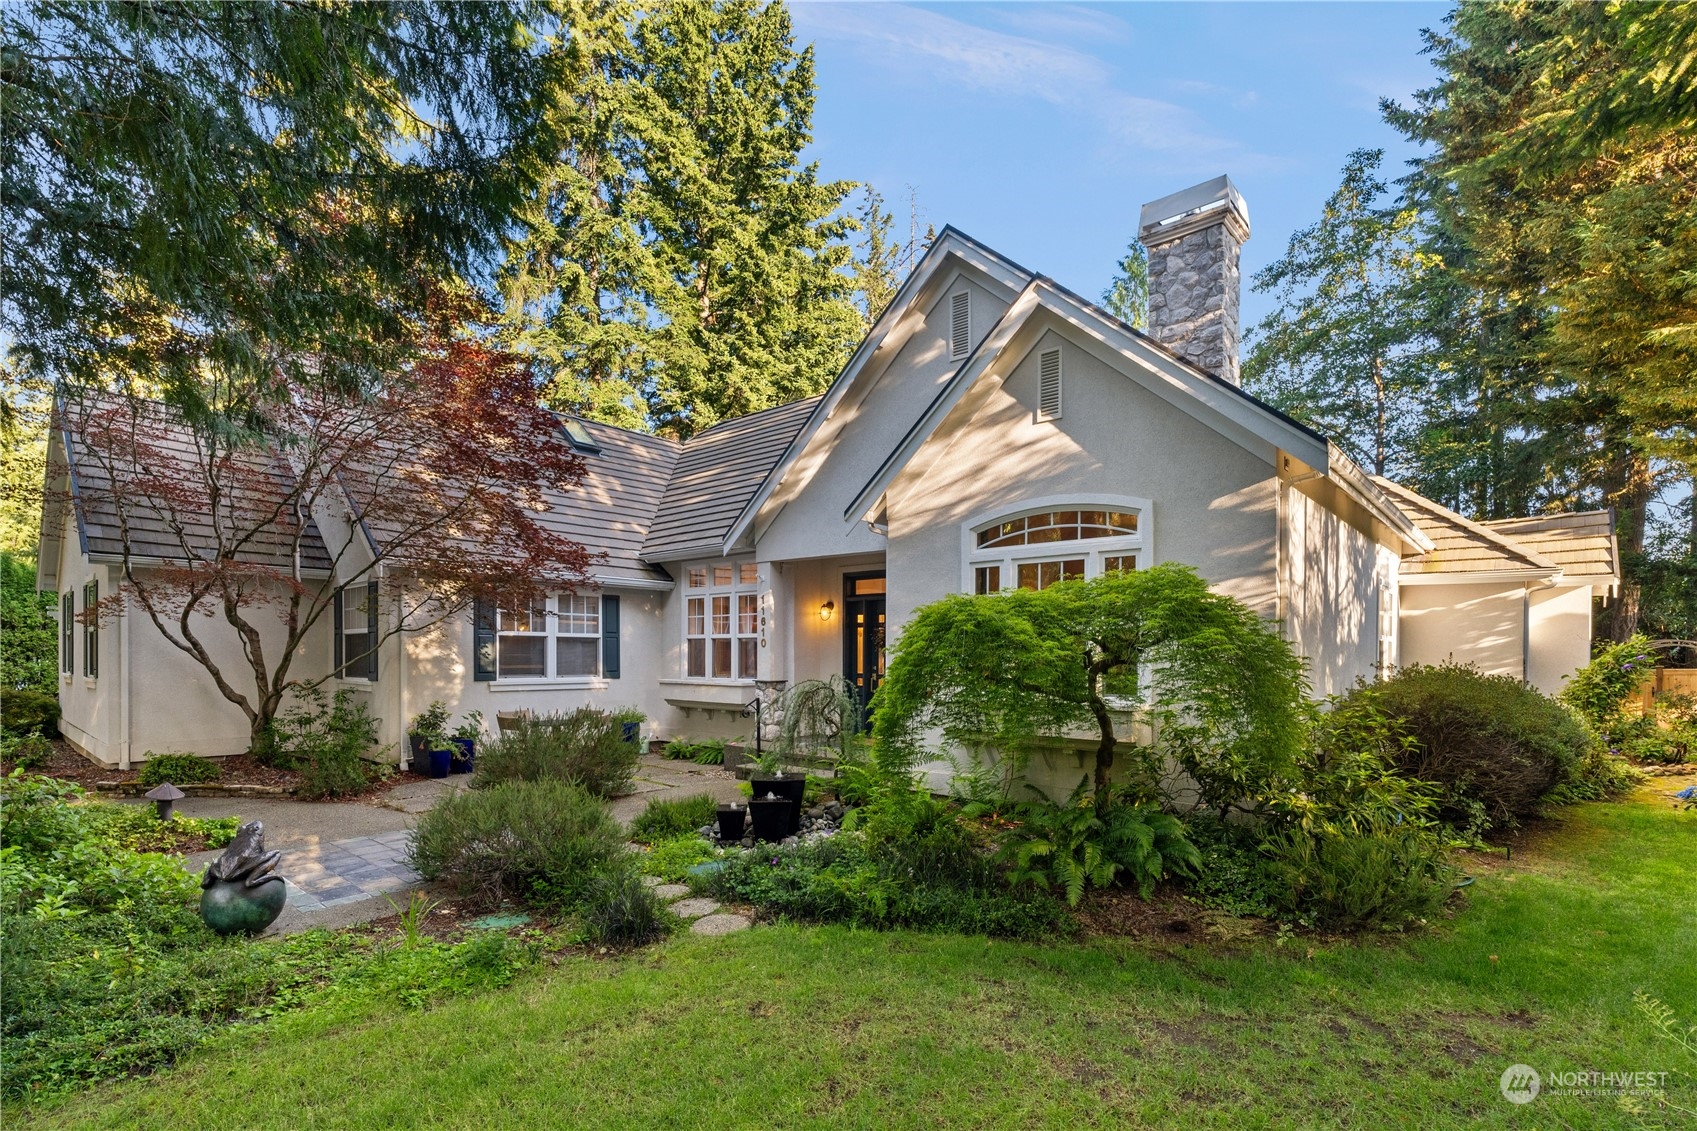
{"x": 230, "y": 907}
{"x": 771, "y": 818}
{"x": 441, "y": 761}
{"x": 464, "y": 755}
{"x": 791, "y": 787}
{"x": 630, "y": 732}
{"x": 420, "y": 752}
{"x": 731, "y": 820}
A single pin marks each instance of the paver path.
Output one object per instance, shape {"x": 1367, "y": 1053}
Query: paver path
{"x": 347, "y": 870}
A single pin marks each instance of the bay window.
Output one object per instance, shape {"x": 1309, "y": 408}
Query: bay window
{"x": 722, "y": 620}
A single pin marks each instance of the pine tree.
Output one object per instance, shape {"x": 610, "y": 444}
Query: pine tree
{"x": 877, "y": 271}
{"x": 1127, "y": 297}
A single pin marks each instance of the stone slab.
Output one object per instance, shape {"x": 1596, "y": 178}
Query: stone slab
{"x": 719, "y": 925}
{"x": 694, "y": 908}
{"x": 671, "y": 891}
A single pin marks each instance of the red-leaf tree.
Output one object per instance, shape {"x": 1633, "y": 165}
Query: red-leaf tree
{"x": 436, "y": 481}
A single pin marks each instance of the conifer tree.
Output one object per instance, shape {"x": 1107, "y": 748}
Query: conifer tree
{"x": 1127, "y": 297}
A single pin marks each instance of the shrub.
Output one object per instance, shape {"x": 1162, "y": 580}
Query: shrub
{"x": 665, "y": 818}
{"x": 1346, "y": 776}
{"x": 327, "y": 743}
{"x": 26, "y": 711}
{"x": 1231, "y": 874}
{"x": 1488, "y": 740}
{"x": 586, "y": 746}
{"x": 1079, "y": 843}
{"x": 535, "y": 841}
{"x": 672, "y": 859}
{"x": 620, "y": 910}
{"x": 1599, "y": 776}
{"x": 1379, "y": 876}
{"x": 25, "y": 751}
{"x": 1600, "y": 689}
{"x": 178, "y": 769}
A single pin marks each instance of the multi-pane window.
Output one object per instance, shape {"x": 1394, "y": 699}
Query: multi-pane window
{"x": 68, "y": 633}
{"x": 549, "y": 638}
{"x": 357, "y": 621}
{"x": 1035, "y": 551}
{"x": 90, "y": 630}
{"x": 722, "y": 620}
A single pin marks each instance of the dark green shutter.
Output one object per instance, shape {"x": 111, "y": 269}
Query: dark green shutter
{"x": 371, "y": 631}
{"x": 483, "y": 641}
{"x": 610, "y": 637}
{"x": 340, "y": 659}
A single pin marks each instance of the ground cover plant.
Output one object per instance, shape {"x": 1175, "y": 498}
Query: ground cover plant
{"x": 666, "y": 818}
{"x": 598, "y": 750}
{"x": 906, "y": 1029}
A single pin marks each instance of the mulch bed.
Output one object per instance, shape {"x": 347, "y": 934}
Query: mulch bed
{"x": 243, "y": 769}
{"x": 1166, "y": 916}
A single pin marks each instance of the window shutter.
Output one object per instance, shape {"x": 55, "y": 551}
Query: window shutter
{"x": 960, "y": 324}
{"x": 339, "y": 658}
{"x": 371, "y": 631}
{"x": 483, "y": 642}
{"x": 610, "y": 637}
{"x": 1049, "y": 385}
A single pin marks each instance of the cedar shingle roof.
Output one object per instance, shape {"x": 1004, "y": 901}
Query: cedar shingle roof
{"x": 1582, "y": 542}
{"x": 255, "y": 489}
{"x": 718, "y": 471}
{"x": 1460, "y": 545}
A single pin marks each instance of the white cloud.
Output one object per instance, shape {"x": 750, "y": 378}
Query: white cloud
{"x": 925, "y": 46}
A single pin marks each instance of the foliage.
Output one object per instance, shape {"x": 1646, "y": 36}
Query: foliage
{"x": 29, "y": 646}
{"x": 430, "y": 724}
{"x": 1127, "y": 297}
{"x": 25, "y": 751}
{"x": 25, "y": 406}
{"x": 679, "y": 265}
{"x": 471, "y": 727}
{"x": 708, "y": 752}
{"x": 539, "y": 842}
{"x": 270, "y": 190}
{"x": 1346, "y": 778}
{"x": 665, "y": 818}
{"x": 1343, "y": 349}
{"x": 586, "y": 746}
{"x": 1376, "y": 875}
{"x": 671, "y": 859}
{"x": 1599, "y": 691}
{"x": 328, "y": 744}
{"x": 1079, "y": 843}
{"x": 1231, "y": 873}
{"x": 1224, "y": 690}
{"x": 818, "y": 717}
{"x": 1600, "y": 775}
{"x": 178, "y": 769}
{"x": 26, "y": 711}
{"x": 1486, "y": 739}
{"x": 620, "y": 910}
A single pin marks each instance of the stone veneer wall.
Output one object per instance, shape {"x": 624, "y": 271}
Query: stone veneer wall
{"x": 1193, "y": 297}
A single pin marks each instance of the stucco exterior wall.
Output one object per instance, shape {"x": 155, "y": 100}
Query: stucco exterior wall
{"x": 811, "y": 524}
{"x": 1335, "y": 576}
{"x": 1474, "y": 623}
{"x": 1561, "y": 635}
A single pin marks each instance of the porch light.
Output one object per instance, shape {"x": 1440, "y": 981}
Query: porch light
{"x": 827, "y": 609}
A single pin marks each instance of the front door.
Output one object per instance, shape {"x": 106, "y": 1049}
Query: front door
{"x": 863, "y": 636}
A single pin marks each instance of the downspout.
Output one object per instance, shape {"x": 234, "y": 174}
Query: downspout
{"x": 1526, "y": 634}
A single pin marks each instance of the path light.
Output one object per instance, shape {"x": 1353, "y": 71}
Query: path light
{"x": 163, "y": 796}
{"x": 827, "y": 609}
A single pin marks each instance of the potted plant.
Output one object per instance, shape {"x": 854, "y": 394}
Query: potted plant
{"x": 768, "y": 777}
{"x": 428, "y": 731}
{"x": 465, "y": 738}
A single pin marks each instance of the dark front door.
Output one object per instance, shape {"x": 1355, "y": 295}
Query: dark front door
{"x": 863, "y": 635}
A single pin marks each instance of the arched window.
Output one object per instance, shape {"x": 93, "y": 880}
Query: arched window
{"x": 1056, "y": 540}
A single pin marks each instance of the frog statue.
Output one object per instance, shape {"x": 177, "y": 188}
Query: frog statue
{"x": 241, "y": 891}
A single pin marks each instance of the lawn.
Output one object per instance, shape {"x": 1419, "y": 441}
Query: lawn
{"x": 791, "y": 1026}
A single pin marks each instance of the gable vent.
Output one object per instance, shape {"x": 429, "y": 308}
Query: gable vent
{"x": 1049, "y": 385}
{"x": 960, "y": 325}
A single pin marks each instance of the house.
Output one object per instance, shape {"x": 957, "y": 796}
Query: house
{"x": 992, "y": 430}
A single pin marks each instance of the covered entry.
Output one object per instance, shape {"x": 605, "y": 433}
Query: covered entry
{"x": 863, "y": 634}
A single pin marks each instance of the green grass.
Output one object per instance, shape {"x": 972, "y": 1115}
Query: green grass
{"x": 793, "y": 1026}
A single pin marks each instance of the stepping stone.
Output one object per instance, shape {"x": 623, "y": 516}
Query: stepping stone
{"x": 651, "y": 881}
{"x": 671, "y": 891}
{"x": 693, "y": 908}
{"x": 719, "y": 925}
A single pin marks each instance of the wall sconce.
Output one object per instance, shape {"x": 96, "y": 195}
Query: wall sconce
{"x": 827, "y": 609}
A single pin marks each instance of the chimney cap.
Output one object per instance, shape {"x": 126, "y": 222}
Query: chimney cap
{"x": 1183, "y": 211}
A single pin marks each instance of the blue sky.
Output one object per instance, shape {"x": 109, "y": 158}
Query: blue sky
{"x": 1042, "y": 128}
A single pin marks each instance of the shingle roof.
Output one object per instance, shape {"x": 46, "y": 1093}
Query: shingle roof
{"x": 718, "y": 471}
{"x": 612, "y": 508}
{"x": 1460, "y": 545}
{"x": 255, "y": 485}
{"x": 1582, "y": 542}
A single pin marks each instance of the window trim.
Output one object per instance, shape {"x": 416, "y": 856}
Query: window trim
{"x": 1092, "y": 550}
{"x": 90, "y": 630}
{"x": 552, "y": 618}
{"x": 734, "y": 594}
{"x": 68, "y": 633}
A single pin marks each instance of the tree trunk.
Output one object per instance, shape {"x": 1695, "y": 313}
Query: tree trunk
{"x": 1105, "y": 745}
{"x": 1627, "y": 487}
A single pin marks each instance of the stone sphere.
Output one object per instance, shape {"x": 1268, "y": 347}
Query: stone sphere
{"x": 230, "y": 908}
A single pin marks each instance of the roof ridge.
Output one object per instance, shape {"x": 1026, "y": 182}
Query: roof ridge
{"x": 750, "y": 416}
{"x": 1532, "y": 557}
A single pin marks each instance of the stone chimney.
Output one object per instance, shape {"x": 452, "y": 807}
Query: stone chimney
{"x": 1193, "y": 239}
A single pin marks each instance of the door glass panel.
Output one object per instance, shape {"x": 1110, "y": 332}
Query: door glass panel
{"x": 868, "y": 586}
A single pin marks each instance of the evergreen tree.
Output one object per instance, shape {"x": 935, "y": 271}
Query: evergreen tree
{"x": 1127, "y": 297}
{"x": 749, "y": 260}
{"x": 1341, "y": 350}
{"x": 878, "y": 270}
